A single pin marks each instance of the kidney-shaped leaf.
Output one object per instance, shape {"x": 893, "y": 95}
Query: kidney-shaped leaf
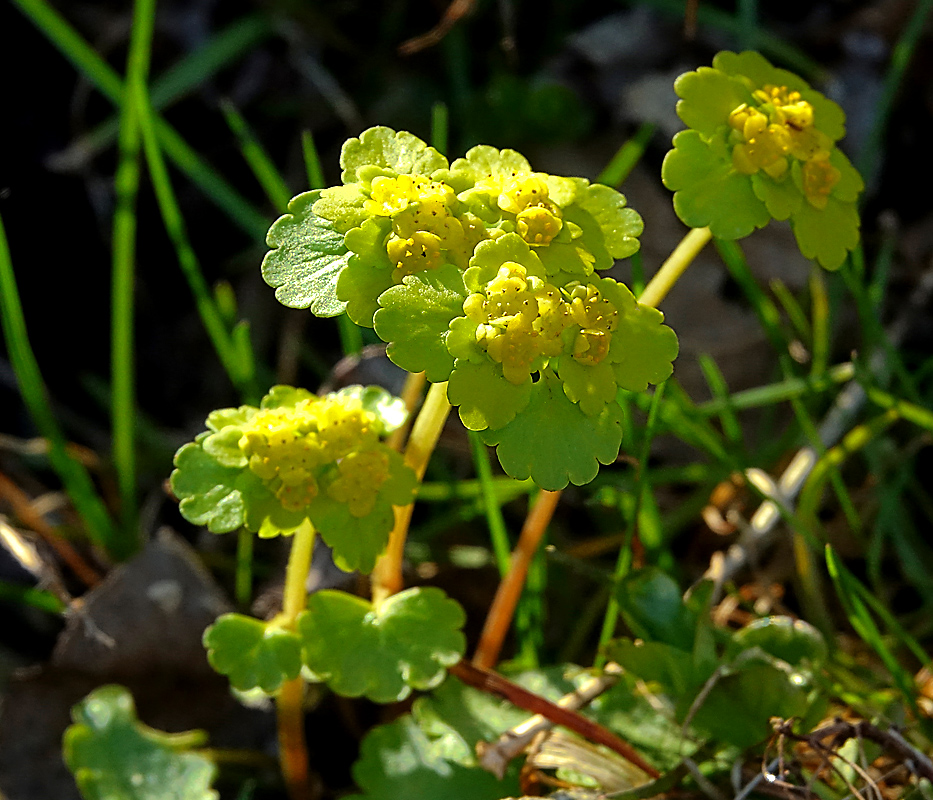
{"x": 252, "y": 653}
{"x": 307, "y": 257}
{"x": 381, "y": 653}
{"x": 114, "y": 756}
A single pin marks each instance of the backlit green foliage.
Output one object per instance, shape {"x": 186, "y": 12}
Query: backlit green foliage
{"x": 300, "y": 457}
{"x": 761, "y": 145}
{"x": 381, "y": 653}
{"x": 483, "y": 273}
{"x": 114, "y": 756}
{"x": 252, "y": 653}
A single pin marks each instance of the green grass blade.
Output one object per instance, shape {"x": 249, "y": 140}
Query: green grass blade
{"x": 748, "y": 23}
{"x": 90, "y": 64}
{"x": 860, "y": 618}
{"x": 498, "y": 534}
{"x": 123, "y": 361}
{"x": 271, "y": 180}
{"x": 820, "y": 324}
{"x": 28, "y": 596}
{"x": 222, "y": 49}
{"x": 781, "y": 391}
{"x": 624, "y": 559}
{"x": 767, "y": 43}
{"x": 626, "y": 157}
{"x": 793, "y": 310}
{"x": 720, "y": 391}
{"x": 73, "y": 475}
{"x": 440, "y": 127}
{"x": 316, "y": 179}
{"x": 239, "y": 369}
{"x": 901, "y": 56}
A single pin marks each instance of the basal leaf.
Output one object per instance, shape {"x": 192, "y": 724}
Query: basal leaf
{"x": 114, "y": 756}
{"x": 414, "y": 318}
{"x": 252, "y": 653}
{"x": 652, "y": 605}
{"x": 553, "y": 442}
{"x": 792, "y": 640}
{"x": 306, "y": 259}
{"x": 398, "y": 761}
{"x": 400, "y": 152}
{"x": 381, "y": 653}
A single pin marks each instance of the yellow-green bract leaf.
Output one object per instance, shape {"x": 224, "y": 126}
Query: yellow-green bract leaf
{"x": 398, "y": 761}
{"x": 642, "y": 349}
{"x": 486, "y": 399}
{"x": 708, "y": 97}
{"x": 114, "y": 756}
{"x": 481, "y": 162}
{"x": 708, "y": 191}
{"x": 414, "y": 319}
{"x": 828, "y": 234}
{"x": 358, "y": 541}
{"x": 390, "y": 410}
{"x": 400, "y": 152}
{"x": 207, "y": 490}
{"x": 306, "y": 260}
{"x": 252, "y": 653}
{"x": 381, "y": 653}
{"x": 621, "y": 226}
{"x": 553, "y": 442}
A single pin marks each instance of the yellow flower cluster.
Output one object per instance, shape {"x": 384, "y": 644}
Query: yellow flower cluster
{"x": 521, "y": 320}
{"x": 287, "y": 447}
{"x": 778, "y": 129}
{"x": 425, "y": 230}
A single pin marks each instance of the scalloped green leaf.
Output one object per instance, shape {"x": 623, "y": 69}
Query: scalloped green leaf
{"x": 399, "y": 761}
{"x": 223, "y": 417}
{"x": 389, "y": 409}
{"x": 381, "y": 653}
{"x": 359, "y": 286}
{"x": 708, "y": 97}
{"x": 621, "y": 225}
{"x": 827, "y": 235}
{"x": 643, "y": 349}
{"x": 306, "y": 259}
{"x": 358, "y": 541}
{"x": 400, "y": 152}
{"x": 344, "y": 206}
{"x": 207, "y": 489}
{"x": 486, "y": 399}
{"x": 782, "y": 198}
{"x": 708, "y": 190}
{"x": 553, "y": 442}
{"x": 252, "y": 653}
{"x": 592, "y": 387}
{"x": 792, "y": 640}
{"x": 114, "y": 756}
{"x": 850, "y": 184}
{"x": 414, "y": 318}
{"x": 491, "y": 254}
{"x": 483, "y": 161}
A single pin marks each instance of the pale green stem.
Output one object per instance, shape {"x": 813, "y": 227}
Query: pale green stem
{"x": 387, "y": 576}
{"x": 671, "y": 270}
{"x": 293, "y": 750}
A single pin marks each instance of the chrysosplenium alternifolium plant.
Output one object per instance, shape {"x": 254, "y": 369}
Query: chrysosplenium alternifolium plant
{"x": 762, "y": 144}
{"x": 483, "y": 273}
{"x": 300, "y": 457}
{"x": 302, "y": 462}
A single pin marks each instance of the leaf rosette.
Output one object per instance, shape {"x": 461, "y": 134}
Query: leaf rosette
{"x": 761, "y": 145}
{"x": 297, "y": 458}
